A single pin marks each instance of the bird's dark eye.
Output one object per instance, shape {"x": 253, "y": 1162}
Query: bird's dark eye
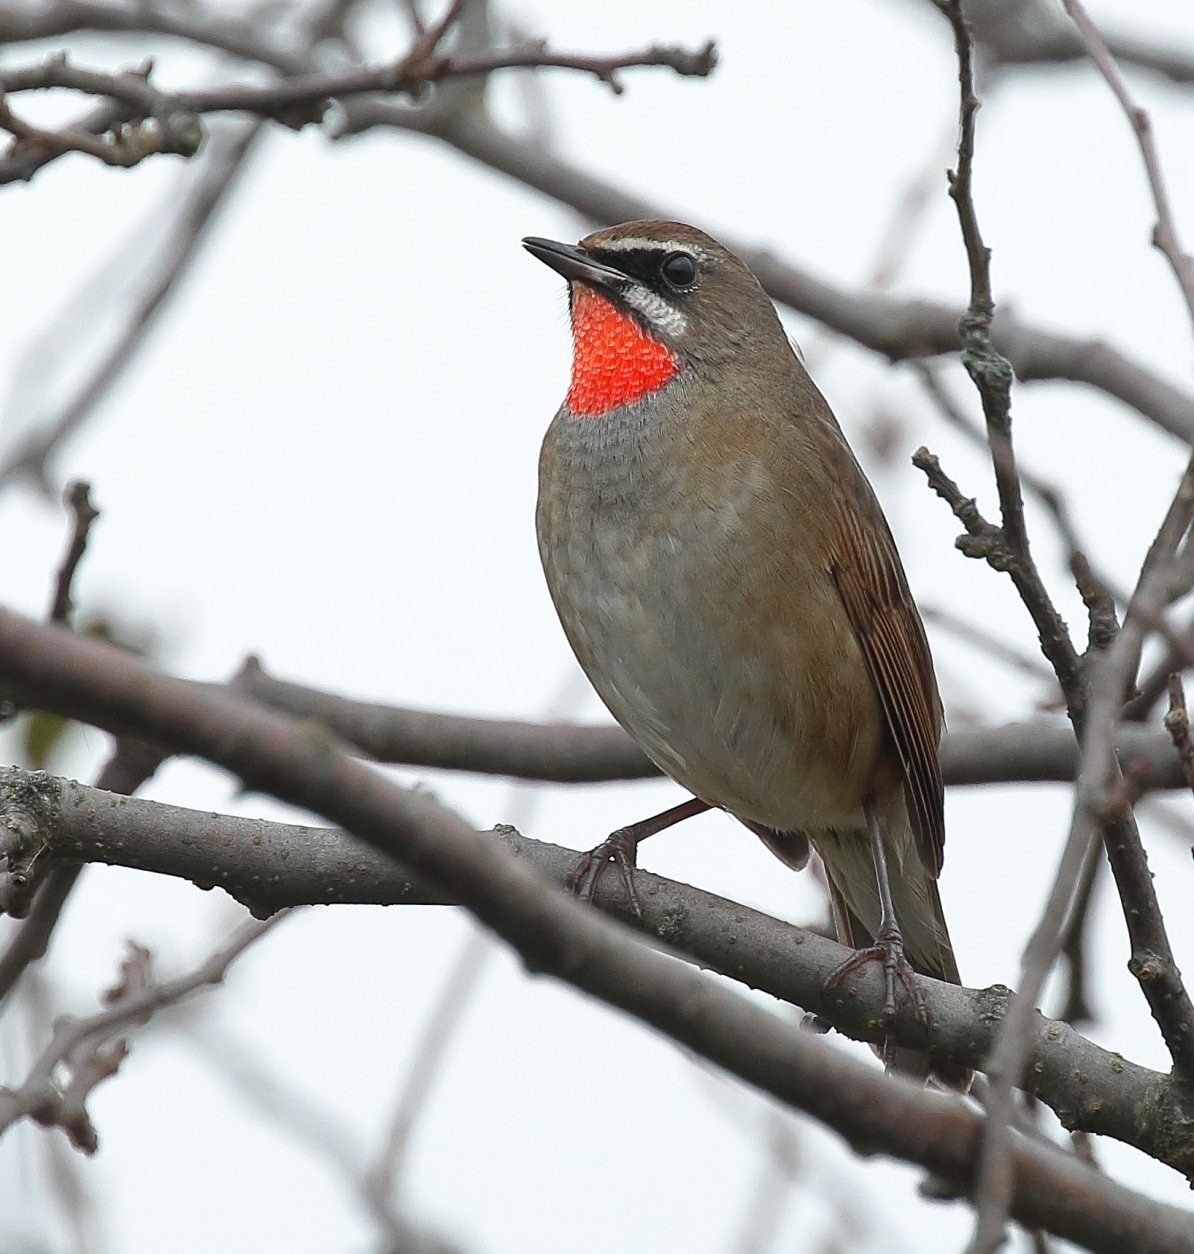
{"x": 679, "y": 269}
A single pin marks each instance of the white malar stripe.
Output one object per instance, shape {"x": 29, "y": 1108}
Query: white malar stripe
{"x": 635, "y": 242}
{"x": 655, "y": 309}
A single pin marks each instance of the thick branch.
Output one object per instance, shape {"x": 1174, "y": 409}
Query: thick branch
{"x": 557, "y": 936}
{"x": 129, "y": 766}
{"x": 270, "y": 866}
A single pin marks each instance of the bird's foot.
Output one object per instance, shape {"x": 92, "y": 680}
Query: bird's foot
{"x": 620, "y": 849}
{"x": 898, "y": 971}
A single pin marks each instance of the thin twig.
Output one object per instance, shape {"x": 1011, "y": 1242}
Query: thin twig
{"x": 300, "y": 99}
{"x": 31, "y": 457}
{"x": 429, "y": 38}
{"x": 320, "y": 1129}
{"x": 1102, "y": 805}
{"x": 84, "y": 1052}
{"x": 455, "y": 995}
{"x": 1154, "y": 684}
{"x": 1177, "y": 724}
{"x": 1076, "y": 1008}
{"x": 992, "y": 376}
{"x": 1005, "y": 1066}
{"x": 1165, "y": 235}
{"x": 1046, "y": 492}
{"x": 77, "y": 499}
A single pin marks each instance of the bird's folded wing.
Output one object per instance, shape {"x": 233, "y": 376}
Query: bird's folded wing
{"x": 870, "y": 580}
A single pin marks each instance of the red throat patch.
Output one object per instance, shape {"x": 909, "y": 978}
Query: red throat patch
{"x": 614, "y": 361}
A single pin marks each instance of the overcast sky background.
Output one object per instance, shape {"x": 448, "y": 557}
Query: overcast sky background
{"x": 326, "y": 455}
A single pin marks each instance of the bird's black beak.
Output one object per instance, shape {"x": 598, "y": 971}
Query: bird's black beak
{"x": 573, "y": 263}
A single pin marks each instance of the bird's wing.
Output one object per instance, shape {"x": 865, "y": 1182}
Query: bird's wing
{"x": 866, "y": 570}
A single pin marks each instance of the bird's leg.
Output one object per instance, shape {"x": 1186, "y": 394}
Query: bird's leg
{"x": 621, "y": 848}
{"x": 889, "y": 944}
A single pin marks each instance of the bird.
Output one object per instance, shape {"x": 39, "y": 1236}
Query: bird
{"x": 727, "y": 580}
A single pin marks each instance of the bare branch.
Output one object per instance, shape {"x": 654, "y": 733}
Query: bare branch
{"x": 1102, "y": 804}
{"x": 1165, "y": 236}
{"x": 301, "y": 99}
{"x": 1016, "y": 33}
{"x": 31, "y": 457}
{"x": 564, "y": 753}
{"x": 259, "y": 1085}
{"x": 1077, "y": 1008}
{"x": 130, "y": 765}
{"x": 1154, "y": 684}
{"x": 77, "y": 498}
{"x": 1177, "y": 724}
{"x": 1047, "y": 493}
{"x": 165, "y": 129}
{"x": 556, "y": 935}
{"x": 270, "y": 866}
{"x": 992, "y": 376}
{"x": 991, "y": 544}
{"x": 84, "y": 1052}
{"x": 1007, "y": 547}
{"x": 896, "y": 329}
{"x": 567, "y": 753}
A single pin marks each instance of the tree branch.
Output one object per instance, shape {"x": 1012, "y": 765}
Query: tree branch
{"x": 270, "y": 866}
{"x": 1040, "y": 751}
{"x": 77, "y": 498}
{"x": 897, "y": 329}
{"x": 298, "y": 100}
{"x": 84, "y": 1052}
{"x": 131, "y": 763}
{"x": 30, "y": 458}
{"x": 556, "y": 935}
{"x": 1165, "y": 236}
{"x": 1177, "y": 724}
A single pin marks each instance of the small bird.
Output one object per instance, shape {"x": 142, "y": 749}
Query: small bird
{"x": 728, "y": 582}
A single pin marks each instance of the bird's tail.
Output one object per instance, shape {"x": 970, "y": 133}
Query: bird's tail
{"x": 854, "y": 896}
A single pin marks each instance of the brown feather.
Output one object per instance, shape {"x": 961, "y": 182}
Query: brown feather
{"x": 870, "y": 580}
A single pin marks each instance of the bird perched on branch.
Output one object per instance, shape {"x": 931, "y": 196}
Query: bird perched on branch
{"x": 728, "y": 582}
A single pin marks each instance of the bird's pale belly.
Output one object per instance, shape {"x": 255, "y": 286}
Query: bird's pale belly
{"x": 717, "y": 694}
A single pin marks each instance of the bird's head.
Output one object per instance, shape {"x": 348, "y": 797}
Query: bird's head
{"x": 650, "y": 301}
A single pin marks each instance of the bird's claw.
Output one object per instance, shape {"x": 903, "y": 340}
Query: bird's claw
{"x": 898, "y": 972}
{"x": 619, "y": 848}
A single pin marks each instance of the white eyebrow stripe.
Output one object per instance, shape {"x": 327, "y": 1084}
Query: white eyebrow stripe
{"x": 655, "y": 309}
{"x": 637, "y": 243}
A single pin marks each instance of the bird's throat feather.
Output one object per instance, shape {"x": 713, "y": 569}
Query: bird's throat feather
{"x": 615, "y": 361}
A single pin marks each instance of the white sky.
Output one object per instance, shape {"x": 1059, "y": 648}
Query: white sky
{"x": 326, "y": 455}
